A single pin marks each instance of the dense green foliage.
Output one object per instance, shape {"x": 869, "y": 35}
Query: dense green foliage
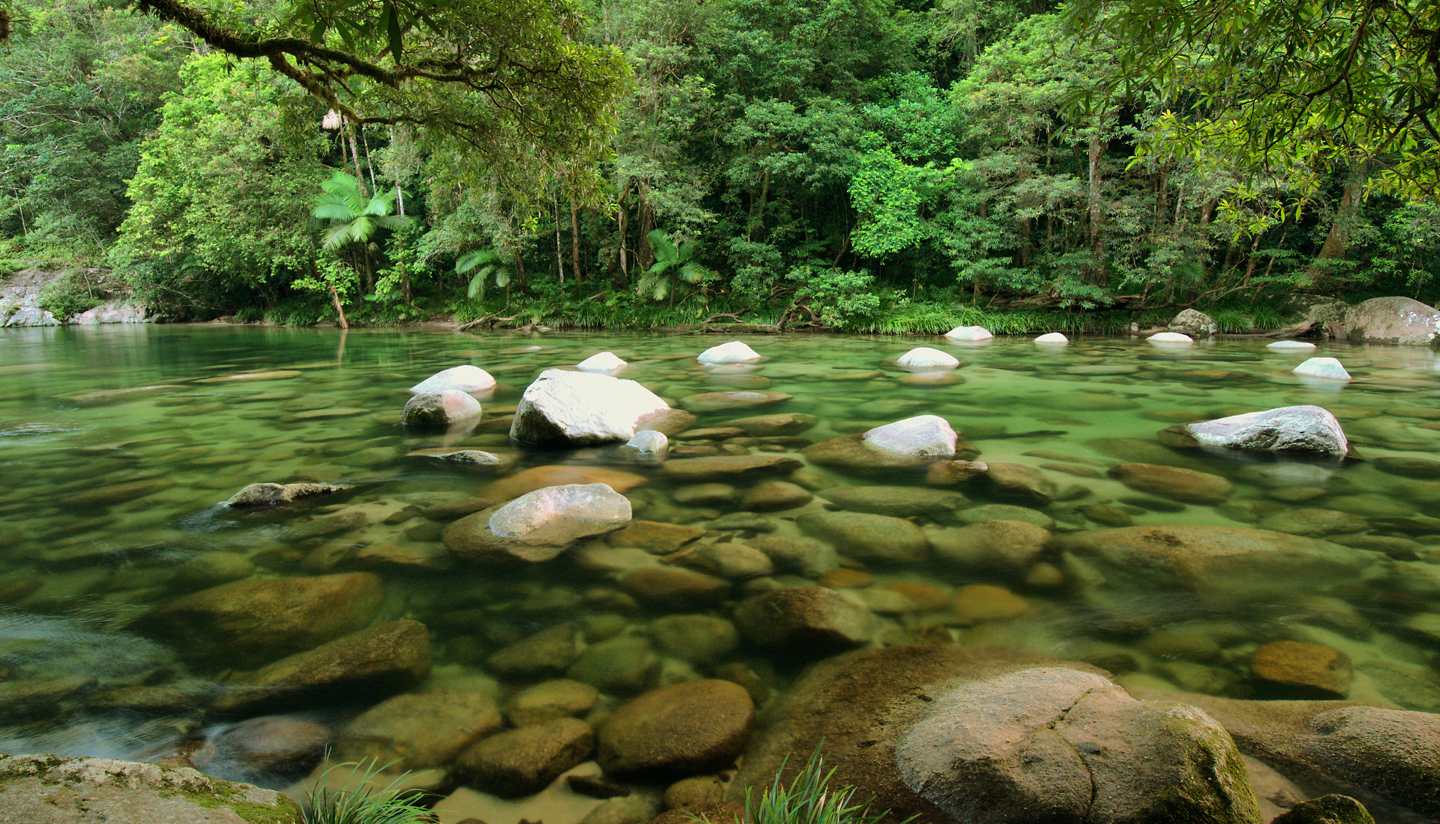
{"x": 874, "y": 165}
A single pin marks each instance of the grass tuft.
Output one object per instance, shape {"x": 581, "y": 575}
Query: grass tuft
{"x": 364, "y": 804}
{"x": 809, "y": 798}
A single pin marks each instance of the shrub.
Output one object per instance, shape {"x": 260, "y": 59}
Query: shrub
{"x": 71, "y": 293}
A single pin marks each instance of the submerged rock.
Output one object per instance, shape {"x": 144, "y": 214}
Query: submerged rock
{"x": 779, "y": 423}
{"x": 867, "y": 537}
{"x": 812, "y": 620}
{"x": 685, "y": 729}
{"x": 548, "y": 700}
{"x": 1174, "y": 482}
{"x": 563, "y": 408}
{"x": 271, "y": 494}
{"x": 1194, "y": 323}
{"x": 419, "y": 729}
{"x": 1170, "y": 339}
{"x": 1009, "y": 546}
{"x": 606, "y": 362}
{"x": 525, "y": 760}
{"x": 273, "y": 744}
{"x": 1306, "y": 429}
{"x": 924, "y": 357}
{"x": 618, "y": 665}
{"x": 733, "y": 352}
{"x": 384, "y": 658}
{"x": 46, "y": 789}
{"x": 477, "y": 458}
{"x": 440, "y": 410}
{"x": 730, "y": 466}
{"x": 649, "y": 444}
{"x": 1327, "y": 809}
{"x": 462, "y": 378}
{"x": 539, "y": 525}
{"x": 895, "y": 500}
{"x": 735, "y": 399}
{"x": 1302, "y": 669}
{"x": 255, "y": 620}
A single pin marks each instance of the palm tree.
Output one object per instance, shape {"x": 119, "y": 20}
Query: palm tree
{"x": 672, "y": 260}
{"x": 487, "y": 265}
{"x": 354, "y": 216}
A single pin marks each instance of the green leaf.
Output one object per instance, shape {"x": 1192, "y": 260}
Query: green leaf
{"x": 392, "y": 29}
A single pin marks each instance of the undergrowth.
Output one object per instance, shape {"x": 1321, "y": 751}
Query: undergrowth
{"x": 811, "y": 797}
{"x": 363, "y": 804}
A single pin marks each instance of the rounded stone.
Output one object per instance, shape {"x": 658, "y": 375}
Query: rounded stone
{"x": 525, "y": 760}
{"x": 687, "y": 728}
{"x": 548, "y": 700}
{"x": 1303, "y": 669}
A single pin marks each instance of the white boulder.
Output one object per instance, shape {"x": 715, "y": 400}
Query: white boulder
{"x": 650, "y": 444}
{"x": 1327, "y": 368}
{"x": 1171, "y": 339}
{"x": 601, "y": 362}
{"x": 733, "y": 352}
{"x": 440, "y": 410}
{"x": 464, "y": 378}
{"x": 920, "y": 436}
{"x": 560, "y": 515}
{"x": 1291, "y": 346}
{"x": 969, "y": 334}
{"x": 577, "y": 408}
{"x": 1286, "y": 429}
{"x": 1053, "y": 339}
{"x": 923, "y": 357}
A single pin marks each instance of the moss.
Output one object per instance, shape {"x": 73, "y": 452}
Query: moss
{"x": 226, "y": 796}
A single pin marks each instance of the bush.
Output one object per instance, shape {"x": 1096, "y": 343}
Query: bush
{"x": 73, "y": 292}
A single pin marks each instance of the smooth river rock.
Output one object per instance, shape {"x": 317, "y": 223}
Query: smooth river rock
{"x": 1305, "y": 429}
{"x": 440, "y": 410}
{"x": 604, "y": 362}
{"x": 924, "y": 357}
{"x": 539, "y": 525}
{"x": 923, "y": 436}
{"x": 463, "y": 378}
{"x": 1398, "y": 320}
{"x": 272, "y": 494}
{"x": 868, "y": 537}
{"x": 733, "y": 352}
{"x": 969, "y": 334}
{"x": 1328, "y": 369}
{"x": 689, "y": 728}
{"x": 562, "y": 408}
{"x": 1173, "y": 482}
{"x": 807, "y": 620}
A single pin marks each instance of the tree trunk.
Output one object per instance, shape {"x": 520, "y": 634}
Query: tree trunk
{"x": 1096, "y": 244}
{"x": 1338, "y": 238}
{"x": 339, "y": 310}
{"x": 559, "y": 258}
{"x": 575, "y": 241}
{"x": 355, "y": 161}
{"x": 369, "y": 166}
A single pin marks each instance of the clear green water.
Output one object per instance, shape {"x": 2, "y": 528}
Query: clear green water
{"x": 105, "y": 494}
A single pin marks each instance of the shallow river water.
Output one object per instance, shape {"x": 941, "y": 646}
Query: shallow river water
{"x": 118, "y": 445}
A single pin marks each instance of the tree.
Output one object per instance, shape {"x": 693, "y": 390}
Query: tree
{"x": 674, "y": 264}
{"x": 1339, "y": 83}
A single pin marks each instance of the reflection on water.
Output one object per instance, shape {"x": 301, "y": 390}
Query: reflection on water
{"x": 117, "y": 445}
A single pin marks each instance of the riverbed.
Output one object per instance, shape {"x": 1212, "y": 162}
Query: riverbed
{"x": 120, "y": 445}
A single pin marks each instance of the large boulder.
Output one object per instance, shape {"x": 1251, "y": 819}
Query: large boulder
{"x": 46, "y": 789}
{"x": 440, "y": 410}
{"x": 1056, "y": 744}
{"x": 923, "y": 436}
{"x": 1390, "y": 320}
{"x": 539, "y": 525}
{"x": 1233, "y": 563}
{"x": 684, "y": 729}
{"x": 251, "y": 621}
{"x": 1387, "y": 758}
{"x": 577, "y": 408}
{"x": 935, "y": 730}
{"x": 1194, "y": 323}
{"x": 385, "y": 658}
{"x": 1302, "y": 429}
{"x": 462, "y": 378}
{"x": 733, "y": 352}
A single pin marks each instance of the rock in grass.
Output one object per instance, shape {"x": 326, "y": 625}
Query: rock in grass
{"x": 1305, "y": 429}
{"x": 463, "y": 378}
{"x": 563, "y": 408}
{"x": 1194, "y": 323}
